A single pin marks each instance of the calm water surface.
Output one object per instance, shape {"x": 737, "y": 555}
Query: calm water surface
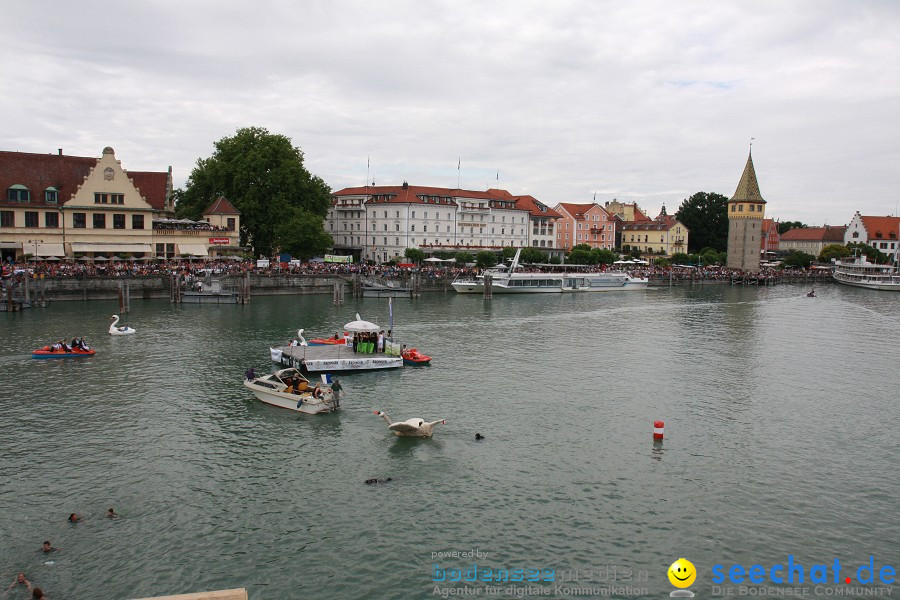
{"x": 781, "y": 438}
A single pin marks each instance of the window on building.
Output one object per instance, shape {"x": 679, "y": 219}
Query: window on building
{"x": 118, "y": 221}
{"x": 99, "y": 221}
{"x": 137, "y": 221}
{"x": 31, "y": 218}
{"x": 732, "y": 208}
{"x": 412, "y": 227}
{"x": 79, "y": 220}
{"x": 752, "y": 208}
{"x": 18, "y": 193}
{"x": 413, "y": 215}
{"x": 740, "y": 208}
{"x": 231, "y": 223}
{"x": 7, "y": 218}
{"x": 51, "y": 220}
{"x": 425, "y": 227}
{"x": 51, "y": 195}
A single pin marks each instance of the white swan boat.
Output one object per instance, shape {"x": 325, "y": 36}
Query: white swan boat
{"x": 511, "y": 281}
{"x": 273, "y": 389}
{"x": 114, "y": 328}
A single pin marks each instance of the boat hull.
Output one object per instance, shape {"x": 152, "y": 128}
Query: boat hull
{"x": 63, "y": 354}
{"x": 310, "y": 406}
{"x": 522, "y": 287}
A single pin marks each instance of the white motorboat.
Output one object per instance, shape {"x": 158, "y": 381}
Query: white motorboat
{"x": 288, "y": 388}
{"x": 859, "y": 272}
{"x": 512, "y": 281}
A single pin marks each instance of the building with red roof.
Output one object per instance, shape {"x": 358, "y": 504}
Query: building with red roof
{"x": 585, "y": 224}
{"x": 63, "y": 206}
{"x": 812, "y": 240}
{"x": 379, "y": 223}
{"x": 664, "y": 235}
{"x": 878, "y": 232}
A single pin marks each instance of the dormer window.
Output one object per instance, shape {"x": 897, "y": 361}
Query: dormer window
{"x": 18, "y": 193}
{"x": 51, "y": 195}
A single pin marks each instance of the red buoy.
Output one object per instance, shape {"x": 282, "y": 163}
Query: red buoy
{"x": 658, "y": 430}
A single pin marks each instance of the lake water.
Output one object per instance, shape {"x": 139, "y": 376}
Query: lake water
{"x": 781, "y": 439}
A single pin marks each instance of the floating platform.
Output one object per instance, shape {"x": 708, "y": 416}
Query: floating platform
{"x": 315, "y": 359}
{"x": 209, "y": 297}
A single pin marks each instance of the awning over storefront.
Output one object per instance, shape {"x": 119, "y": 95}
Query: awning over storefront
{"x": 110, "y": 248}
{"x": 49, "y": 250}
{"x": 192, "y": 249}
{"x": 10, "y": 245}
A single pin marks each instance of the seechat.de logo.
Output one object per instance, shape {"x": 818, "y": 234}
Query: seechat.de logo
{"x": 682, "y": 574}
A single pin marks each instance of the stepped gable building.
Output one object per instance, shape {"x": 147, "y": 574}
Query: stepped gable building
{"x": 879, "y": 232}
{"x": 663, "y": 235}
{"x": 58, "y": 206}
{"x": 746, "y": 211}
{"x": 769, "y": 239}
{"x": 379, "y": 223}
{"x": 812, "y": 240}
{"x": 585, "y": 224}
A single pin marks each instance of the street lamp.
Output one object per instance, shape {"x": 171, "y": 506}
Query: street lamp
{"x": 35, "y": 242}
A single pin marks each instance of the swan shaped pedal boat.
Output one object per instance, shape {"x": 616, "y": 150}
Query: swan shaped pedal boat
{"x": 410, "y": 427}
{"x": 114, "y": 330}
{"x": 289, "y": 389}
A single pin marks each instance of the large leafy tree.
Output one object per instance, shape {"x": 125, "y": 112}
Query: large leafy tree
{"x": 263, "y": 175}
{"x": 873, "y": 254}
{"x": 833, "y": 251}
{"x": 785, "y": 226}
{"x": 706, "y": 217}
{"x": 485, "y": 259}
{"x": 301, "y": 234}
{"x": 533, "y": 255}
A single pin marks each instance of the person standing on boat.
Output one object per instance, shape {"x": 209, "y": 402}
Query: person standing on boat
{"x": 381, "y": 341}
{"x": 336, "y": 389}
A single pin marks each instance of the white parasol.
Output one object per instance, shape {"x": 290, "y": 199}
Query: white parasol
{"x": 360, "y": 326}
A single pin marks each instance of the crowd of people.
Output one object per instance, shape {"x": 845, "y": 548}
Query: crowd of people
{"x": 383, "y": 273}
{"x": 22, "y": 581}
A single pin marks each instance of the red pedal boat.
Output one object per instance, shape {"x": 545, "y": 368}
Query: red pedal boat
{"x": 414, "y": 358}
{"x": 47, "y": 352}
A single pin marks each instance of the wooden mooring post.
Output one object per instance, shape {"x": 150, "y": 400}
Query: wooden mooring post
{"x": 338, "y": 293}
{"x": 488, "y": 286}
{"x": 124, "y": 298}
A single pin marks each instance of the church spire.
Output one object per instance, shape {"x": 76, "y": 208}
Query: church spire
{"x": 748, "y": 188}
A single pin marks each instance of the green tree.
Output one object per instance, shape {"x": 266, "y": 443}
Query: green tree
{"x": 604, "y": 256}
{"x": 580, "y": 256}
{"x": 873, "y": 254}
{"x": 709, "y": 256}
{"x": 302, "y": 235}
{"x": 680, "y": 258}
{"x": 263, "y": 176}
{"x": 788, "y": 225}
{"x": 706, "y": 217}
{"x": 414, "y": 254}
{"x": 462, "y": 258}
{"x": 663, "y": 263}
{"x": 485, "y": 259}
{"x": 833, "y": 251}
{"x": 533, "y": 255}
{"x": 508, "y": 252}
{"x": 795, "y": 258}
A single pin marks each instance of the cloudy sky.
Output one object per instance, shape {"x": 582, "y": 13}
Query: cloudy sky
{"x": 646, "y": 101}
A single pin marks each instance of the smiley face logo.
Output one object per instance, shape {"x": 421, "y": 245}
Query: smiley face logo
{"x": 682, "y": 573}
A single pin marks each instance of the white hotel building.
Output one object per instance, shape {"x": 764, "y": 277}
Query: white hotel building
{"x": 379, "y": 223}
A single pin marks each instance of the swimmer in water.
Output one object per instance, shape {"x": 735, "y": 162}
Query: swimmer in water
{"x": 46, "y": 548}
{"x": 73, "y": 518}
{"x": 110, "y": 513}
{"x": 20, "y": 580}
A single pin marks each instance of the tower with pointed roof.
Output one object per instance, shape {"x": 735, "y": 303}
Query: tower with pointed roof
{"x": 746, "y": 211}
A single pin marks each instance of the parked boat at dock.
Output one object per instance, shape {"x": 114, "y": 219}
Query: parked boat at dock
{"x": 513, "y": 281}
{"x": 859, "y": 272}
{"x": 273, "y": 389}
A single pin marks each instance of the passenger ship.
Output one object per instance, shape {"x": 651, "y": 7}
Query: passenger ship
{"x": 511, "y": 281}
{"x": 860, "y": 272}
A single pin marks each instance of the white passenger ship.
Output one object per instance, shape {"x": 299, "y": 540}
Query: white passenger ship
{"x": 860, "y": 272}
{"x": 512, "y": 281}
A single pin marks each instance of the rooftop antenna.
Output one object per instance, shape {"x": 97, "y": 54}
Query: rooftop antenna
{"x": 751, "y": 145}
